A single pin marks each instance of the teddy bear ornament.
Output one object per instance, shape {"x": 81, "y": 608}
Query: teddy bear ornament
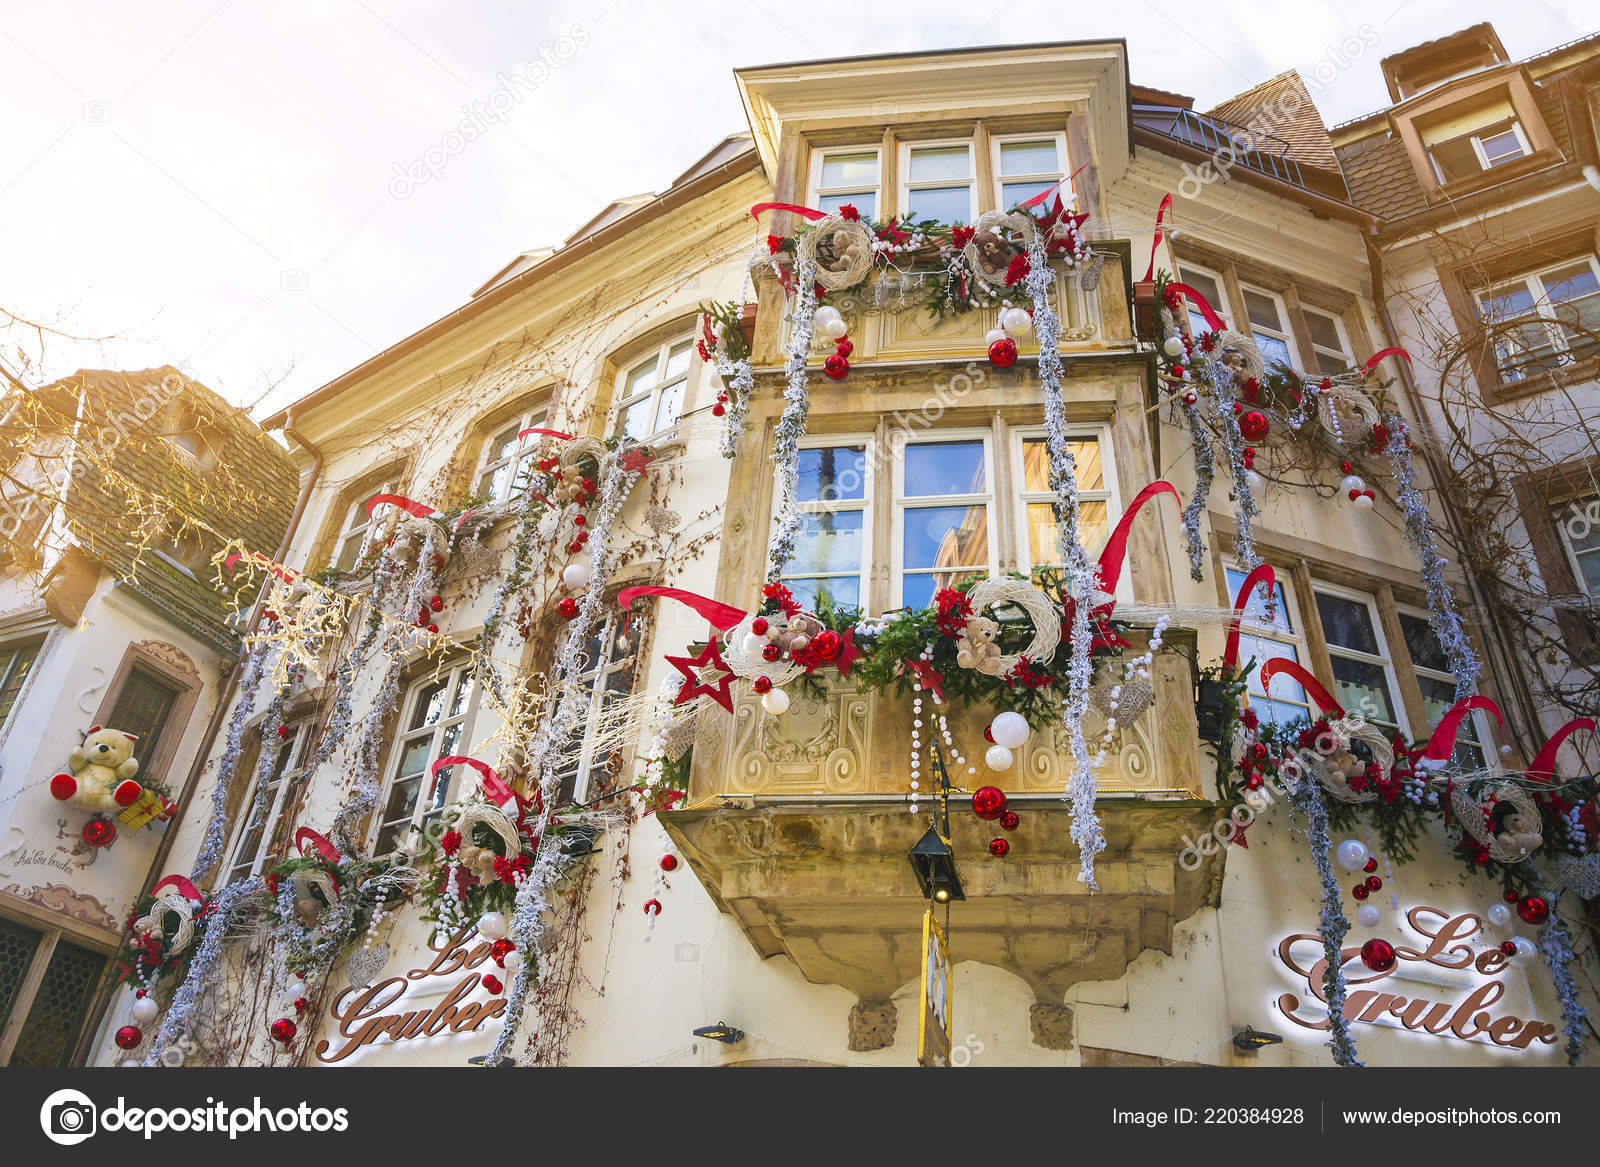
{"x": 102, "y": 771}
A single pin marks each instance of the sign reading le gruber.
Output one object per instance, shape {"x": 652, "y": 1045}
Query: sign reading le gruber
{"x": 361, "y": 1011}
{"x": 1448, "y": 948}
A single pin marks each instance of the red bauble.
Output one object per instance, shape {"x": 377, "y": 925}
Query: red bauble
{"x": 759, "y": 626}
{"x": 129, "y": 1036}
{"x": 844, "y": 348}
{"x": 718, "y": 409}
{"x": 1511, "y": 897}
{"x": 1374, "y": 883}
{"x": 825, "y": 645}
{"x": 1253, "y": 425}
{"x": 988, "y": 735}
{"x": 988, "y": 802}
{"x": 1009, "y": 820}
{"x": 998, "y": 848}
{"x": 771, "y": 653}
{"x": 652, "y": 907}
{"x": 1378, "y": 955}
{"x": 283, "y": 1029}
{"x": 762, "y": 684}
{"x": 1190, "y": 397}
{"x": 1533, "y": 909}
{"x": 301, "y": 1004}
{"x": 669, "y": 863}
{"x": 1347, "y": 468}
{"x": 1372, "y": 865}
{"x": 437, "y": 603}
{"x": 433, "y": 628}
{"x": 99, "y": 831}
{"x": 1359, "y": 891}
{"x": 568, "y": 608}
{"x": 492, "y": 983}
{"x": 1508, "y": 948}
{"x": 283, "y": 732}
{"x": 1003, "y": 353}
{"x": 836, "y": 367}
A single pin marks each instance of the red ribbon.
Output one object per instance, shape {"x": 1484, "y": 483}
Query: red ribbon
{"x": 722, "y": 616}
{"x": 1262, "y": 574}
{"x": 495, "y": 788}
{"x": 755, "y": 211}
{"x": 1045, "y": 193}
{"x": 1375, "y": 358}
{"x": 1282, "y": 664}
{"x": 1544, "y": 766}
{"x": 1149, "y": 271}
{"x": 1216, "y": 322}
{"x": 1443, "y": 739}
{"x": 1116, "y": 548}
{"x": 533, "y": 429}
{"x": 421, "y": 509}
{"x": 185, "y": 887}
{"x": 324, "y": 848}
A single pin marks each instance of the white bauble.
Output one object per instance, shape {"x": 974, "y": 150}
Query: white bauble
{"x": 575, "y": 575}
{"x": 753, "y": 644}
{"x": 1499, "y": 915}
{"x": 1009, "y": 729}
{"x": 492, "y": 925}
{"x": 1016, "y": 321}
{"x": 775, "y": 701}
{"x": 144, "y": 1010}
{"x": 998, "y": 758}
{"x": 993, "y": 335}
{"x": 834, "y": 329}
{"x": 1362, "y": 502}
{"x": 1173, "y": 346}
{"x": 1253, "y": 480}
{"x": 1351, "y": 482}
{"x": 513, "y": 961}
{"x": 1525, "y": 947}
{"x": 825, "y": 316}
{"x": 1367, "y": 915}
{"x": 1351, "y": 854}
{"x": 294, "y": 990}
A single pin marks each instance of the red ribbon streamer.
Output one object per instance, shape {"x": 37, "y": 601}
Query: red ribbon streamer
{"x": 722, "y": 616}
{"x": 1544, "y": 766}
{"x": 533, "y": 429}
{"x": 1149, "y": 271}
{"x": 1117, "y": 546}
{"x": 1045, "y": 193}
{"x": 184, "y": 885}
{"x": 1216, "y": 322}
{"x": 1282, "y": 664}
{"x": 755, "y": 211}
{"x": 1443, "y": 739}
{"x": 495, "y": 788}
{"x": 421, "y": 509}
{"x": 1262, "y": 574}
{"x": 324, "y": 848}
{"x": 1375, "y": 358}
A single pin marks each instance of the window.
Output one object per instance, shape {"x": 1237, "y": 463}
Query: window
{"x": 16, "y": 663}
{"x": 652, "y": 391}
{"x": 1472, "y": 143}
{"x": 1363, "y": 680}
{"x": 1438, "y": 686}
{"x": 1260, "y": 639}
{"x": 1578, "y": 523}
{"x": 433, "y": 718}
{"x": 830, "y": 555}
{"x": 350, "y": 547}
{"x": 606, "y": 681}
{"x": 143, "y": 708}
{"x": 845, "y": 176}
{"x": 47, "y": 984}
{"x": 1038, "y": 513}
{"x": 938, "y": 182}
{"x": 193, "y": 435}
{"x": 183, "y": 548}
{"x": 1553, "y": 311}
{"x": 1209, "y": 285}
{"x": 1330, "y": 351}
{"x": 1026, "y": 167}
{"x": 941, "y": 510}
{"x": 1269, "y": 326}
{"x": 261, "y": 835}
{"x": 506, "y": 457}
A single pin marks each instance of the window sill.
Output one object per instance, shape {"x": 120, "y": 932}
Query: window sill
{"x": 1574, "y": 374}
{"x": 1460, "y": 187}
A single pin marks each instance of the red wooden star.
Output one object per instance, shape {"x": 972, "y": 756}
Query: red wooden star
{"x": 1237, "y": 838}
{"x": 931, "y": 680}
{"x": 635, "y": 460}
{"x": 693, "y": 685}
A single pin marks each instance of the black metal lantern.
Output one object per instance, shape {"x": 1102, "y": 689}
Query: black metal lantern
{"x": 721, "y": 1031}
{"x": 935, "y": 865}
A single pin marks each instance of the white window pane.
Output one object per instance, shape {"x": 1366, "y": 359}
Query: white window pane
{"x": 865, "y": 203}
{"x": 1569, "y": 283}
{"x": 936, "y": 468}
{"x": 1256, "y": 609}
{"x": 1029, "y": 158}
{"x": 1272, "y": 349}
{"x": 943, "y": 204}
{"x": 935, "y": 163}
{"x": 842, "y": 591}
{"x": 1324, "y": 330}
{"x": 636, "y": 419}
{"x": 849, "y": 170}
{"x": 678, "y": 358}
{"x": 1361, "y": 687}
{"x": 1014, "y": 194}
{"x": 642, "y": 376}
{"x": 829, "y": 543}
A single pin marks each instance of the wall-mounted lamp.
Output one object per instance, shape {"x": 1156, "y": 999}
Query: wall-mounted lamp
{"x": 935, "y": 865}
{"x": 722, "y": 1032}
{"x": 1248, "y": 1041}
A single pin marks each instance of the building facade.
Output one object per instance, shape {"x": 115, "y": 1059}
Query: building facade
{"x": 763, "y": 889}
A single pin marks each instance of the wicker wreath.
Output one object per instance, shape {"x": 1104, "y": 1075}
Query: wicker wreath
{"x": 1346, "y": 412}
{"x": 1519, "y": 834}
{"x": 572, "y": 456}
{"x": 990, "y": 250}
{"x": 749, "y": 666}
{"x": 1237, "y": 351}
{"x": 1335, "y": 768}
{"x": 841, "y": 250}
{"x": 480, "y": 860}
{"x": 153, "y": 923}
{"x": 1046, "y": 618}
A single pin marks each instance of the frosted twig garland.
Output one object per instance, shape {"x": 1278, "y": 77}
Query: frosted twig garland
{"x": 1081, "y": 576}
{"x": 1205, "y": 471}
{"x": 1332, "y": 923}
{"x": 529, "y": 512}
{"x": 1244, "y": 505}
{"x": 1442, "y": 612}
{"x": 740, "y": 381}
{"x": 1556, "y": 947}
{"x": 216, "y": 836}
{"x": 543, "y": 754}
{"x": 202, "y": 966}
{"x": 791, "y": 426}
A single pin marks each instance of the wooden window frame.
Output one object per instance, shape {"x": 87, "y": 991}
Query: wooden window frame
{"x": 388, "y": 476}
{"x": 1511, "y": 84}
{"x": 621, "y": 399}
{"x": 300, "y": 749}
{"x": 817, "y": 192}
{"x": 865, "y": 505}
{"x": 1385, "y": 657}
{"x": 33, "y": 978}
{"x": 900, "y": 504}
{"x": 1022, "y": 548}
{"x": 593, "y": 678}
{"x": 398, "y": 733}
{"x": 1297, "y": 637}
{"x": 1059, "y": 137}
{"x": 907, "y": 185}
{"x": 40, "y": 627}
{"x": 1533, "y": 282}
{"x": 531, "y": 415}
{"x": 173, "y": 667}
{"x": 1284, "y": 333}
{"x": 1480, "y": 721}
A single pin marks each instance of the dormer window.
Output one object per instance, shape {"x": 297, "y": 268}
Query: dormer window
{"x": 1471, "y": 143}
{"x": 189, "y": 433}
{"x": 840, "y": 177}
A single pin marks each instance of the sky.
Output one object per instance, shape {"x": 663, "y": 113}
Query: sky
{"x": 266, "y": 194}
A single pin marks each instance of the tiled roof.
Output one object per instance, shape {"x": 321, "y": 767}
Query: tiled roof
{"x": 246, "y": 492}
{"x": 1380, "y": 177}
{"x": 1282, "y": 106}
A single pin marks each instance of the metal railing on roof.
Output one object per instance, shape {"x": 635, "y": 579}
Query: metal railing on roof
{"x": 1262, "y": 152}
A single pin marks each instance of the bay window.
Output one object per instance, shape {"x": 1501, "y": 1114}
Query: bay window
{"x": 849, "y": 176}
{"x": 1471, "y": 143}
{"x": 936, "y": 183}
{"x": 942, "y": 497}
{"x": 1027, "y": 166}
{"x": 434, "y": 717}
{"x": 1544, "y": 319}
{"x": 830, "y": 558}
{"x": 1363, "y": 676}
{"x": 650, "y": 393}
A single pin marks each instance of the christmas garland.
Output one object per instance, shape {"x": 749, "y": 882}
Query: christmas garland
{"x": 203, "y": 965}
{"x": 1333, "y": 926}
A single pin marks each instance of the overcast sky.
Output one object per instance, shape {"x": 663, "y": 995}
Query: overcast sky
{"x": 233, "y": 186}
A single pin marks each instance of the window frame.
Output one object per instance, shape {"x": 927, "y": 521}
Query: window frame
{"x": 818, "y": 192}
{"x": 1574, "y": 564}
{"x": 1385, "y": 659}
{"x": 593, "y": 677}
{"x": 1345, "y": 353}
{"x": 1294, "y": 638}
{"x": 532, "y": 416}
{"x": 459, "y": 672}
{"x": 1481, "y": 736}
{"x": 864, "y": 505}
{"x": 297, "y": 747}
{"x": 357, "y": 522}
{"x": 907, "y": 185}
{"x": 1532, "y": 282}
{"x": 1475, "y": 137}
{"x": 623, "y": 400}
{"x": 1197, "y": 323}
{"x": 1022, "y": 497}
{"x": 9, "y": 650}
{"x": 1059, "y": 137}
{"x": 1284, "y": 333}
{"x": 899, "y": 505}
